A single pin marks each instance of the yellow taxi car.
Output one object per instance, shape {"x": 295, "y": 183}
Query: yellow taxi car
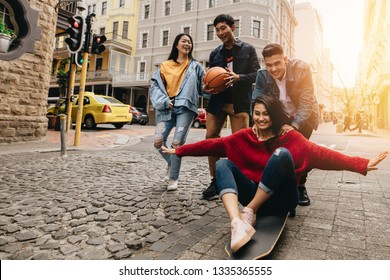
{"x": 97, "y": 109}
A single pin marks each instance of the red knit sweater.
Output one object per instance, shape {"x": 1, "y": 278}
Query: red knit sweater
{"x": 251, "y": 155}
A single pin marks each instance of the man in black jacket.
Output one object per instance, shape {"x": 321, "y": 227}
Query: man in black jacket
{"x": 242, "y": 63}
{"x": 290, "y": 81}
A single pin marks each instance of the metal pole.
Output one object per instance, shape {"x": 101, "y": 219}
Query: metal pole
{"x": 63, "y": 134}
{"x": 72, "y": 77}
{"x": 82, "y": 80}
{"x": 81, "y": 100}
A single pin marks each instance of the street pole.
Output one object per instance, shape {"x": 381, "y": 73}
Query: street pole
{"x": 83, "y": 80}
{"x": 72, "y": 77}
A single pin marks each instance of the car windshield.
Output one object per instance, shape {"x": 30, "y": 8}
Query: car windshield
{"x": 106, "y": 100}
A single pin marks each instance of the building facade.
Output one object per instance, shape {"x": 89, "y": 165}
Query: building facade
{"x": 309, "y": 47}
{"x": 258, "y": 22}
{"x": 374, "y": 76}
{"x": 25, "y": 76}
{"x": 117, "y": 20}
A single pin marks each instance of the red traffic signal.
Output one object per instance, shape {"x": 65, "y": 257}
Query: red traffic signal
{"x": 97, "y": 44}
{"x": 76, "y": 34}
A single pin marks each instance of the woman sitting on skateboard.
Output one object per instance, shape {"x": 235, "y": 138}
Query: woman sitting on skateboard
{"x": 262, "y": 168}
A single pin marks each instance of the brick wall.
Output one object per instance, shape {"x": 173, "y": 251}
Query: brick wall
{"x": 24, "y": 83}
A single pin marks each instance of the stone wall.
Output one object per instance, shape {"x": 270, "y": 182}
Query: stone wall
{"x": 24, "y": 83}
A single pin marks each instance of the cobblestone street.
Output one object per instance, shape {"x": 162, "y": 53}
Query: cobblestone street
{"x": 112, "y": 203}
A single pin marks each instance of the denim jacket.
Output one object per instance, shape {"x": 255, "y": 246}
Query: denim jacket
{"x": 299, "y": 87}
{"x": 190, "y": 89}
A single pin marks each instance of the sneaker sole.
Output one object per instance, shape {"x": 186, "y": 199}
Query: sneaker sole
{"x": 243, "y": 241}
{"x": 304, "y": 203}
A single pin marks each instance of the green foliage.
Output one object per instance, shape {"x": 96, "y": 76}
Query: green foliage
{"x": 5, "y": 30}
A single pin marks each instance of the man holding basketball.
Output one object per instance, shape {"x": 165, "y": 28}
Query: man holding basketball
{"x": 241, "y": 61}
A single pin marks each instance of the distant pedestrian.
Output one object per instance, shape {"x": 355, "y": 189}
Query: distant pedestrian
{"x": 175, "y": 90}
{"x": 358, "y": 122}
{"x": 347, "y": 123}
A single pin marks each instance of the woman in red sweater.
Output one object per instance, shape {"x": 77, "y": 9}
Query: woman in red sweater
{"x": 261, "y": 169}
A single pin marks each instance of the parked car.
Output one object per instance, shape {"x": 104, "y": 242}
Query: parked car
{"x": 97, "y": 109}
{"x": 139, "y": 116}
{"x": 200, "y": 120}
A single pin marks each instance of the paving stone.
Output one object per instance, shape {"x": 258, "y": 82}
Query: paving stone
{"x": 26, "y": 236}
{"x": 61, "y": 234}
{"x": 114, "y": 248}
{"x": 124, "y": 254}
{"x": 134, "y": 244}
{"x": 68, "y": 249}
{"x": 103, "y": 216}
{"x": 11, "y": 228}
{"x": 75, "y": 239}
{"x": 96, "y": 241}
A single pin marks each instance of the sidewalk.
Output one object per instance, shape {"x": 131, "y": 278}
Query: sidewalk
{"x": 89, "y": 140}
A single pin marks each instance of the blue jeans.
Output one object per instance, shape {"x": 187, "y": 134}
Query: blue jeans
{"x": 182, "y": 119}
{"x": 278, "y": 180}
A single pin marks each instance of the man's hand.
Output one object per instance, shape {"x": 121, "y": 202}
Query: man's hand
{"x": 285, "y": 128}
{"x": 372, "y": 164}
{"x": 233, "y": 78}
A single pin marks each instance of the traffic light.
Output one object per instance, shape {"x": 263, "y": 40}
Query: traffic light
{"x": 79, "y": 58}
{"x": 76, "y": 33}
{"x": 97, "y": 44}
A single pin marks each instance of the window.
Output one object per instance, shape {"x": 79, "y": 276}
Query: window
{"x": 5, "y": 17}
{"x": 256, "y": 29}
{"x": 165, "y": 38}
{"x": 211, "y": 3}
{"x": 236, "y": 1}
{"x": 237, "y": 30}
{"x": 94, "y": 8}
{"x": 144, "y": 40}
{"x": 89, "y": 9}
{"x": 167, "y": 10}
{"x": 121, "y": 3}
{"x": 104, "y": 8}
{"x": 99, "y": 64}
{"x": 147, "y": 11}
{"x": 186, "y": 30}
{"x": 115, "y": 30}
{"x": 210, "y": 32}
{"x": 142, "y": 70}
{"x": 102, "y": 31}
{"x": 125, "y": 30}
{"x": 188, "y": 4}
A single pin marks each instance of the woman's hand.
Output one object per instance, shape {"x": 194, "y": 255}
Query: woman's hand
{"x": 374, "y": 162}
{"x": 165, "y": 150}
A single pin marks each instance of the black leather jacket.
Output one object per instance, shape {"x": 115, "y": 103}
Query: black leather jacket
{"x": 299, "y": 87}
{"x": 246, "y": 64}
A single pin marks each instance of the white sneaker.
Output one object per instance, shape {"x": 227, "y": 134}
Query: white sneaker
{"x": 242, "y": 232}
{"x": 248, "y": 216}
{"x": 172, "y": 185}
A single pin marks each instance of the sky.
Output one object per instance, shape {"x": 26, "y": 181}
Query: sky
{"x": 343, "y": 35}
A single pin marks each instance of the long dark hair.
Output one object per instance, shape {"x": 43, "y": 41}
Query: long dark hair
{"x": 276, "y": 113}
{"x": 175, "y": 52}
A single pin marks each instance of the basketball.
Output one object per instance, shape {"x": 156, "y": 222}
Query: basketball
{"x": 214, "y": 78}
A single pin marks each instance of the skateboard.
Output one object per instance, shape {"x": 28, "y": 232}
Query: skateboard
{"x": 268, "y": 231}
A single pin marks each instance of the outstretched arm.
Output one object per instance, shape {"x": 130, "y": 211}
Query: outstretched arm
{"x": 372, "y": 164}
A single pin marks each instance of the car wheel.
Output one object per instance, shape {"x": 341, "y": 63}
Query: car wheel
{"x": 89, "y": 122}
{"x": 196, "y": 124}
{"x": 143, "y": 123}
{"x": 119, "y": 125}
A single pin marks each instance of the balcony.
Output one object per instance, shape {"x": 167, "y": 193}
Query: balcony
{"x": 127, "y": 80}
{"x": 92, "y": 76}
